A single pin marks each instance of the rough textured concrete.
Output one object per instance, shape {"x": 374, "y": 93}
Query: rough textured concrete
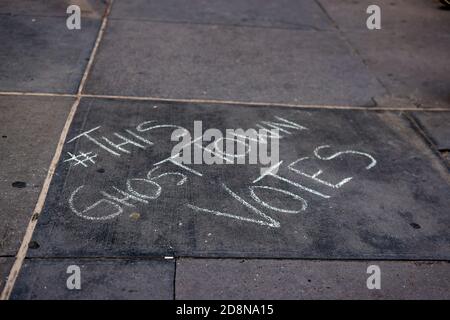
{"x": 100, "y": 279}
{"x": 29, "y": 131}
{"x": 393, "y": 209}
{"x": 52, "y": 8}
{"x": 437, "y": 127}
{"x": 229, "y": 63}
{"x": 39, "y": 54}
{"x": 408, "y": 55}
{"x": 290, "y": 14}
{"x": 288, "y": 279}
{"x": 5, "y": 267}
{"x": 396, "y": 15}
{"x": 407, "y": 66}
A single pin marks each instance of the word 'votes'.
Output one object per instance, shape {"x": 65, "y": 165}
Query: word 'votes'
{"x": 143, "y": 190}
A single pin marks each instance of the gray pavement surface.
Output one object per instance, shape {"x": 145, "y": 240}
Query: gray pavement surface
{"x": 408, "y": 54}
{"x": 29, "y": 129}
{"x": 436, "y": 126}
{"x": 286, "y": 14}
{"x": 52, "y": 8}
{"x": 29, "y": 132}
{"x": 308, "y": 279}
{"x": 38, "y": 52}
{"x": 315, "y": 220}
{"x": 101, "y": 279}
{"x": 245, "y": 64}
{"x": 5, "y": 267}
{"x": 319, "y": 53}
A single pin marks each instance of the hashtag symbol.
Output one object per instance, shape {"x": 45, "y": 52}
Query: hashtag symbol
{"x": 82, "y": 158}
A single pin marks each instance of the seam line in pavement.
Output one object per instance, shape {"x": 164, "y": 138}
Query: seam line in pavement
{"x": 294, "y": 27}
{"x": 36, "y": 94}
{"x": 194, "y": 257}
{"x": 174, "y": 295}
{"x": 21, "y": 254}
{"x": 230, "y": 102}
{"x": 421, "y": 132}
{"x": 100, "y": 258}
{"x": 353, "y": 49}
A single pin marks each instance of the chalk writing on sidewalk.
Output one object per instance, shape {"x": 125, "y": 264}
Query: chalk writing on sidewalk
{"x": 151, "y": 183}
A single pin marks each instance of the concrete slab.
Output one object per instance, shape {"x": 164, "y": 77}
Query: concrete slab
{"x": 289, "y": 14}
{"x": 200, "y": 279}
{"x": 408, "y": 55}
{"x": 229, "y": 63}
{"x": 5, "y": 267}
{"x": 52, "y": 8}
{"x": 29, "y": 131}
{"x": 402, "y": 63}
{"x": 436, "y": 126}
{"x": 100, "y": 279}
{"x": 396, "y": 15}
{"x": 386, "y": 197}
{"x": 39, "y": 54}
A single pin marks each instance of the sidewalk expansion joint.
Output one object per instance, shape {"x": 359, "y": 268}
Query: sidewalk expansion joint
{"x": 226, "y": 102}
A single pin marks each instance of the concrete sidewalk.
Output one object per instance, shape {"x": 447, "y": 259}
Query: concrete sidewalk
{"x": 86, "y": 121}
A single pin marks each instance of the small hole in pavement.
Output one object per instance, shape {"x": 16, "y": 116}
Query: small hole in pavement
{"x": 415, "y": 225}
{"x": 19, "y": 184}
{"x": 33, "y": 245}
